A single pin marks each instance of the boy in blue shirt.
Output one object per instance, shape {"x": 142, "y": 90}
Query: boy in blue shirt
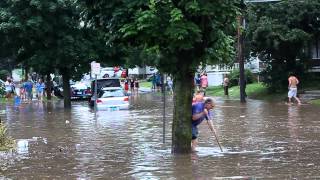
{"x": 28, "y": 85}
{"x": 40, "y": 88}
{"x": 200, "y": 112}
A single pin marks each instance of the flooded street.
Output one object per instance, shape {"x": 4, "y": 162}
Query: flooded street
{"x": 260, "y": 140}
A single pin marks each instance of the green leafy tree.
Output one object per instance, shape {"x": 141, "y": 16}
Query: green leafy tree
{"x": 280, "y": 34}
{"x": 48, "y": 35}
{"x": 178, "y": 34}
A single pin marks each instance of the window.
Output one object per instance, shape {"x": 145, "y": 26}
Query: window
{"x": 315, "y": 50}
{"x": 111, "y": 93}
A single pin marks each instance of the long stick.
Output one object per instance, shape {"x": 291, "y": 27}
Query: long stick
{"x": 216, "y": 139}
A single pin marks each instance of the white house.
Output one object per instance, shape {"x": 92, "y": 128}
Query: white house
{"x": 146, "y": 70}
{"x": 216, "y": 72}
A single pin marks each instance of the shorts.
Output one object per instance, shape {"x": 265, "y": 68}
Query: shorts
{"x": 29, "y": 94}
{"x": 195, "y": 132}
{"x": 292, "y": 92}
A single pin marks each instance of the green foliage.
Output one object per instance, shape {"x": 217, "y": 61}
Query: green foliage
{"x": 185, "y": 32}
{"x": 235, "y": 75}
{"x": 4, "y": 74}
{"x": 2, "y": 91}
{"x": 5, "y": 141}
{"x": 280, "y": 34}
{"x": 47, "y": 35}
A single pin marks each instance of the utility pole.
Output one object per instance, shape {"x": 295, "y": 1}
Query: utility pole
{"x": 241, "y": 55}
{"x": 241, "y": 24}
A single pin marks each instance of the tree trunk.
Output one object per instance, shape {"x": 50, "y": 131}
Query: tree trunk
{"x": 241, "y": 62}
{"x": 66, "y": 88}
{"x": 48, "y": 86}
{"x": 26, "y": 75}
{"x": 181, "y": 127}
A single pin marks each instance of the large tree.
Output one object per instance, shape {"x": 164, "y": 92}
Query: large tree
{"x": 183, "y": 34}
{"x": 280, "y": 34}
{"x": 48, "y": 35}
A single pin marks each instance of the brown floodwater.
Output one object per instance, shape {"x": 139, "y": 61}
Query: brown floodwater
{"x": 260, "y": 140}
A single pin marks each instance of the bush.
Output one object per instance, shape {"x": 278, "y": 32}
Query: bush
{"x": 234, "y": 77}
{"x": 5, "y": 141}
{"x": 2, "y": 91}
{"x": 4, "y": 74}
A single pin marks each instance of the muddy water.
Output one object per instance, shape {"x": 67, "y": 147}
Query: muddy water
{"x": 260, "y": 140}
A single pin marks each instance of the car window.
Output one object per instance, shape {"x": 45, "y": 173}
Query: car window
{"x": 111, "y": 93}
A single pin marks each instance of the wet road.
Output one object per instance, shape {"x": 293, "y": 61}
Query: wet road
{"x": 260, "y": 140}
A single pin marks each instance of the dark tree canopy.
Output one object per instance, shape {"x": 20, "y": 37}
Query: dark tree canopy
{"x": 281, "y": 34}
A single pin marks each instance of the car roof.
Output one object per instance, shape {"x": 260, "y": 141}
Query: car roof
{"x": 111, "y": 88}
{"x": 110, "y": 78}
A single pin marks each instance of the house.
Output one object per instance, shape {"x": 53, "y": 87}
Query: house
{"x": 315, "y": 56}
{"x": 216, "y": 72}
{"x": 142, "y": 71}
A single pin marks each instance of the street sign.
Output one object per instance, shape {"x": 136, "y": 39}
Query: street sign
{"x": 95, "y": 68}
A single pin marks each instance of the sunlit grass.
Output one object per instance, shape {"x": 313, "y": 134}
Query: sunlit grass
{"x": 254, "y": 90}
{"x": 315, "y": 102}
{"x": 145, "y": 84}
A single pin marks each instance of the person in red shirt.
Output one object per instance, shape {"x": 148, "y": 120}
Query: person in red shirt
{"x": 204, "y": 83}
{"x": 126, "y": 86}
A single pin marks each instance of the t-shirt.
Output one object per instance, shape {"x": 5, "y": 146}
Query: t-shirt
{"x": 28, "y": 86}
{"x": 198, "y": 81}
{"x": 40, "y": 87}
{"x": 198, "y": 108}
{"x": 8, "y": 86}
{"x": 204, "y": 81}
{"x": 225, "y": 82}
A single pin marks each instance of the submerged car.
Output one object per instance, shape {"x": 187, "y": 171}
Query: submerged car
{"x": 103, "y": 83}
{"x": 112, "y": 99}
{"x": 80, "y": 90}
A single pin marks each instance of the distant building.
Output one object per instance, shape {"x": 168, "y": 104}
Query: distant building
{"x": 315, "y": 55}
{"x": 146, "y": 70}
{"x": 216, "y": 72}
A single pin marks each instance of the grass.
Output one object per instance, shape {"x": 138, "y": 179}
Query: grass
{"x": 254, "y": 90}
{"x": 315, "y": 102}
{"x": 145, "y": 84}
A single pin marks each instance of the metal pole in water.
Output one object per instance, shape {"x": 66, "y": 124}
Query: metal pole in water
{"x": 164, "y": 108}
{"x": 95, "y": 93}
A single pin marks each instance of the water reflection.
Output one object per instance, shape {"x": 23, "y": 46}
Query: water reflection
{"x": 293, "y": 117}
{"x": 260, "y": 140}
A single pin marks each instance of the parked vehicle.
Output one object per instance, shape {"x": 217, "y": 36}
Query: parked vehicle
{"x": 103, "y": 83}
{"x": 80, "y": 90}
{"x": 107, "y": 72}
{"x": 112, "y": 99}
{"x": 58, "y": 91}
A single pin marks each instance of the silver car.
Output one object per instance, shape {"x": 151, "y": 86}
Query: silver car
{"x": 112, "y": 99}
